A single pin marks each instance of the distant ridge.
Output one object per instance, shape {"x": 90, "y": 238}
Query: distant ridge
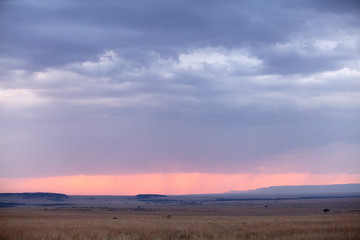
{"x": 306, "y": 189}
{"x": 27, "y": 195}
{"x": 150, "y": 195}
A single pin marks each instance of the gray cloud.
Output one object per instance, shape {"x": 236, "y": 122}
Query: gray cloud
{"x": 56, "y": 33}
{"x": 141, "y": 86}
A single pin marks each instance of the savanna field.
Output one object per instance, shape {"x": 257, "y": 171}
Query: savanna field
{"x": 91, "y": 224}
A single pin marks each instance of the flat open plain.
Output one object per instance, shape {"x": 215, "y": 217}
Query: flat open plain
{"x": 180, "y": 217}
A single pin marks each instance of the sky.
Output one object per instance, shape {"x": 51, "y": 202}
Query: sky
{"x": 177, "y": 97}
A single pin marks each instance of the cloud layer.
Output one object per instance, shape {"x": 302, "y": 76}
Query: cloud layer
{"x": 157, "y": 86}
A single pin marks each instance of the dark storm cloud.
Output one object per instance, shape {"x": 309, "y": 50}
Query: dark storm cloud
{"x": 56, "y": 33}
{"x": 148, "y": 86}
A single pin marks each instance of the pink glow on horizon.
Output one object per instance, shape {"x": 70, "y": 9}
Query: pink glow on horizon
{"x": 167, "y": 183}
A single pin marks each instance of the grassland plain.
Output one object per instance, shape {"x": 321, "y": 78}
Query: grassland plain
{"x": 41, "y": 224}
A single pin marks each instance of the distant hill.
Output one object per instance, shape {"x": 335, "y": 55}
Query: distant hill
{"x": 150, "y": 196}
{"x": 307, "y": 189}
{"x": 37, "y": 195}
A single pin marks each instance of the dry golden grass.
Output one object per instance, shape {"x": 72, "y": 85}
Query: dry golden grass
{"x": 37, "y": 224}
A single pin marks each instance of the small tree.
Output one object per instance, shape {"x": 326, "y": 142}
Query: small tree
{"x": 326, "y": 210}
